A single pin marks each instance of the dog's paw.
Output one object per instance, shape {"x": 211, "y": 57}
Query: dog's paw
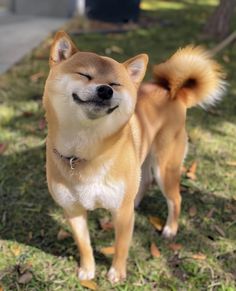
{"x": 85, "y": 274}
{"x": 115, "y": 276}
{"x": 168, "y": 232}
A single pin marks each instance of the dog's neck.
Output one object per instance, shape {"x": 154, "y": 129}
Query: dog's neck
{"x": 85, "y": 142}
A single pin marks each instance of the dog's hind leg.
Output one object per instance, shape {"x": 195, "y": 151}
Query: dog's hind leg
{"x": 146, "y": 177}
{"x": 168, "y": 172}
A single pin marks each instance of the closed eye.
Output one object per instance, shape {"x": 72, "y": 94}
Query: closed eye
{"x": 114, "y": 84}
{"x": 85, "y": 75}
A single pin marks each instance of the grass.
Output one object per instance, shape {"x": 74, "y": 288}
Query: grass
{"x": 30, "y": 220}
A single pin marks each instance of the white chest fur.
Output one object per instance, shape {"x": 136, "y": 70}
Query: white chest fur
{"x": 99, "y": 191}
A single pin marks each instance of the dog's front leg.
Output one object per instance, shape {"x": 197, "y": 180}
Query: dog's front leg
{"x": 78, "y": 222}
{"x": 123, "y": 222}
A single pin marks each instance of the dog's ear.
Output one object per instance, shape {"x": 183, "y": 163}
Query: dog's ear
{"x": 62, "y": 48}
{"x": 136, "y": 67}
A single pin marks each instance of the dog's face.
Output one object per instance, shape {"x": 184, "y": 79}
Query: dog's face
{"x": 88, "y": 88}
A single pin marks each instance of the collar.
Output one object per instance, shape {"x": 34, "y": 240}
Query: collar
{"x": 72, "y": 160}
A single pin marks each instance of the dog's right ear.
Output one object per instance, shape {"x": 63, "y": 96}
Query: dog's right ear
{"x": 62, "y": 48}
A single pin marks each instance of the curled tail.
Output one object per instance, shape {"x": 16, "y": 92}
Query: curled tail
{"x": 192, "y": 76}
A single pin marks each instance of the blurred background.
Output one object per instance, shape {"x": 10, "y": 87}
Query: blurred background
{"x": 37, "y": 251}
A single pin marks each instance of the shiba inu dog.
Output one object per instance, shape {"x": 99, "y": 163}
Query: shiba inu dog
{"x": 107, "y": 137}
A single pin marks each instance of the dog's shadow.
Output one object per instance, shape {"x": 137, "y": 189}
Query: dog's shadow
{"x": 26, "y": 207}
{"x": 29, "y": 215}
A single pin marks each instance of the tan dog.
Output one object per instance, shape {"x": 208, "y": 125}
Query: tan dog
{"x": 100, "y": 134}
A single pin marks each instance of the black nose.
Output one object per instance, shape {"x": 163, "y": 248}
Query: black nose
{"x": 104, "y": 92}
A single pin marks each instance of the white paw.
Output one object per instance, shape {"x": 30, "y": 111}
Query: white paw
{"x": 114, "y": 276}
{"x": 168, "y": 232}
{"x": 85, "y": 274}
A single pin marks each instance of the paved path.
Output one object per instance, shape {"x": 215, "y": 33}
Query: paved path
{"x": 20, "y": 34}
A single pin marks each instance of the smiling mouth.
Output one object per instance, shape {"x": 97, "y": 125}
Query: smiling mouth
{"x": 98, "y": 103}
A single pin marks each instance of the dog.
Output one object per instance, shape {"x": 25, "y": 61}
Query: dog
{"x": 108, "y": 136}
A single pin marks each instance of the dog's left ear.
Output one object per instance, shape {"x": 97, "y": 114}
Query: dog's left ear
{"x": 136, "y": 67}
{"x": 62, "y": 48}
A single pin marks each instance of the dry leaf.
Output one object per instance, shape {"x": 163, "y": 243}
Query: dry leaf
{"x": 30, "y": 236}
{"x": 214, "y": 112}
{"x": 16, "y": 250}
{"x": 226, "y": 58}
{"x": 231, "y": 163}
{"x": 3, "y": 147}
{"x": 230, "y": 207}
{"x": 25, "y": 278}
{"x": 108, "y": 250}
{"x": 1, "y": 288}
{"x": 192, "y": 211}
{"x": 154, "y": 251}
{"x": 106, "y": 224}
{"x": 89, "y": 284}
{"x": 113, "y": 49}
{"x": 184, "y": 189}
{"x": 199, "y": 256}
{"x": 156, "y": 222}
{"x": 27, "y": 113}
{"x": 175, "y": 247}
{"x": 36, "y": 77}
{"x": 210, "y": 213}
{"x": 62, "y": 234}
{"x": 191, "y": 174}
{"x": 219, "y": 230}
{"x": 42, "y": 124}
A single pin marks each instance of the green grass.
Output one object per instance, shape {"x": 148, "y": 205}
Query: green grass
{"x": 30, "y": 220}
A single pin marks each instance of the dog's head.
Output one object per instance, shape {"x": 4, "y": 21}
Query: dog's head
{"x": 87, "y": 88}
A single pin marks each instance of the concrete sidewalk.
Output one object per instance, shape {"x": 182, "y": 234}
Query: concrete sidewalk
{"x": 20, "y": 34}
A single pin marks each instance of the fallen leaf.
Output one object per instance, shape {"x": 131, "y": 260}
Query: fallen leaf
{"x": 199, "y": 256}
{"x": 154, "y": 251}
{"x": 62, "y": 234}
{"x": 3, "y": 147}
{"x": 113, "y": 49}
{"x": 27, "y": 113}
{"x": 42, "y": 124}
{"x": 214, "y": 112}
{"x": 89, "y": 284}
{"x": 23, "y": 268}
{"x": 226, "y": 58}
{"x": 231, "y": 207}
{"x": 192, "y": 211}
{"x": 30, "y": 236}
{"x": 1, "y": 288}
{"x": 231, "y": 163}
{"x": 108, "y": 250}
{"x": 175, "y": 247}
{"x": 219, "y": 230}
{"x": 16, "y": 250}
{"x": 156, "y": 222}
{"x": 191, "y": 173}
{"x": 183, "y": 189}
{"x": 25, "y": 278}
{"x": 106, "y": 224}
{"x": 210, "y": 213}
{"x": 35, "y": 77}
{"x": 30, "y": 127}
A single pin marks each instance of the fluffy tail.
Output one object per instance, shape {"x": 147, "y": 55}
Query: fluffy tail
{"x": 192, "y": 76}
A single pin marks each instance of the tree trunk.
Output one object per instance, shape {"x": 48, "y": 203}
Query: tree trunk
{"x": 218, "y": 25}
